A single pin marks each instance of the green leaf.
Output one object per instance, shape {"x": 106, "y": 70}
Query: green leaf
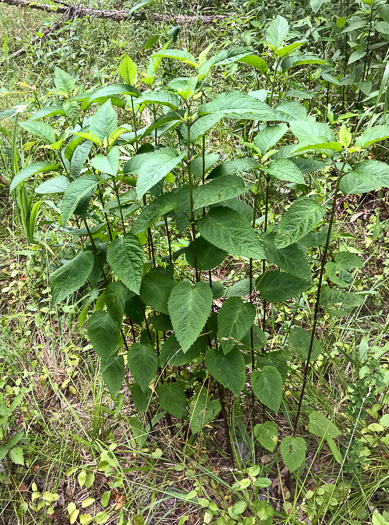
{"x": 160, "y": 97}
{"x": 103, "y": 332}
{"x": 339, "y": 271}
{"x": 127, "y": 70}
{"x": 277, "y": 31}
{"x": 331, "y": 296}
{"x": 71, "y": 276}
{"x": 178, "y": 54}
{"x": 207, "y": 255}
{"x": 267, "y": 386}
{"x": 113, "y": 374}
{"x": 276, "y": 287}
{"x": 293, "y": 259}
{"x": 345, "y": 136}
{"x": 311, "y": 132}
{"x": 230, "y": 55}
{"x": 372, "y": 135}
{"x": 104, "y": 93}
{"x": 255, "y": 61}
{"x": 48, "y": 111}
{"x": 202, "y": 411}
{"x": 267, "y": 435}
{"x": 240, "y": 288}
{"x": 164, "y": 204}
{"x": 16, "y": 455}
{"x": 234, "y": 320}
{"x": 116, "y": 296}
{"x": 299, "y": 341}
{"x": 229, "y": 370}
{"x": 143, "y": 363}
{"x": 293, "y": 452}
{"x": 218, "y": 190}
{"x": 234, "y": 166}
{"x": 141, "y": 399}
{"x": 156, "y": 166}
{"x": 301, "y": 217}
{"x": 125, "y": 256}
{"x": 287, "y": 50}
{"x": 172, "y": 354}
{"x": 155, "y": 291}
{"x": 320, "y": 426}
{"x": 284, "y": 169}
{"x": 79, "y": 157}
{"x": 356, "y": 55}
{"x": 237, "y": 105}
{"x": 229, "y": 231}
{"x": 201, "y": 126}
{"x": 316, "y": 5}
{"x": 54, "y": 185}
{"x": 104, "y": 121}
{"x": 334, "y": 449}
{"x": 172, "y": 399}
{"x": 268, "y": 137}
{"x": 301, "y": 60}
{"x": 107, "y": 163}
{"x": 31, "y": 169}
{"x": 73, "y": 194}
{"x": 40, "y": 129}
{"x": 368, "y": 175}
{"x": 189, "y": 307}
{"x": 63, "y": 82}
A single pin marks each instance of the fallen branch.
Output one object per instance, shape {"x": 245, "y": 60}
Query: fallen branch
{"x": 116, "y": 15}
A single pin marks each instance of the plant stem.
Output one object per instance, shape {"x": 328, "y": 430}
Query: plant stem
{"x": 120, "y": 207}
{"x": 168, "y": 241}
{"x": 317, "y": 303}
{"x": 265, "y": 230}
{"x": 192, "y": 220}
{"x": 224, "y": 414}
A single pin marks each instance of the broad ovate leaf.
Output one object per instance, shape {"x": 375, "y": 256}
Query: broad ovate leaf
{"x": 299, "y": 342}
{"x": 300, "y": 218}
{"x": 234, "y": 320}
{"x": 143, "y": 363}
{"x": 172, "y": 399}
{"x": 125, "y": 256}
{"x": 293, "y": 451}
{"x": 73, "y": 194}
{"x": 112, "y": 371}
{"x": 71, "y": 276}
{"x": 189, "y": 307}
{"x": 267, "y": 386}
{"x": 103, "y": 332}
{"x": 229, "y": 370}
{"x": 276, "y": 287}
{"x": 267, "y": 435}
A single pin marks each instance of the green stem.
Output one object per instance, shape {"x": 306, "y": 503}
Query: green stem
{"x": 192, "y": 219}
{"x": 120, "y": 207}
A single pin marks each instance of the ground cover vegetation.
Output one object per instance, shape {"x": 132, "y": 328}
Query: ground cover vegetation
{"x": 194, "y": 276}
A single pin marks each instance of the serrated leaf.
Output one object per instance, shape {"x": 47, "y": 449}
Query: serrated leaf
{"x": 229, "y": 231}
{"x": 293, "y": 259}
{"x": 267, "y": 435}
{"x": 104, "y": 121}
{"x": 217, "y": 190}
{"x": 112, "y": 371}
{"x": 368, "y": 175}
{"x": 141, "y": 399}
{"x": 229, "y": 370}
{"x": 160, "y": 206}
{"x": 103, "y": 332}
{"x": 127, "y": 70}
{"x": 311, "y": 132}
{"x": 202, "y": 411}
{"x": 31, "y": 169}
{"x": 267, "y": 386}
{"x": 293, "y": 452}
{"x": 71, "y": 276}
{"x": 79, "y": 158}
{"x": 41, "y": 130}
{"x": 156, "y": 166}
{"x": 143, "y": 363}
{"x": 125, "y": 256}
{"x": 320, "y": 426}
{"x": 234, "y": 320}
{"x": 207, "y": 255}
{"x": 172, "y": 355}
{"x": 372, "y": 135}
{"x": 276, "y": 287}
{"x": 332, "y": 296}
{"x": 116, "y": 295}
{"x": 107, "y": 163}
{"x": 73, "y": 194}
{"x": 277, "y": 31}
{"x": 268, "y": 137}
{"x": 301, "y": 217}
{"x": 299, "y": 341}
{"x": 172, "y": 399}
{"x": 16, "y": 455}
{"x": 155, "y": 291}
{"x": 189, "y": 307}
{"x": 286, "y": 170}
